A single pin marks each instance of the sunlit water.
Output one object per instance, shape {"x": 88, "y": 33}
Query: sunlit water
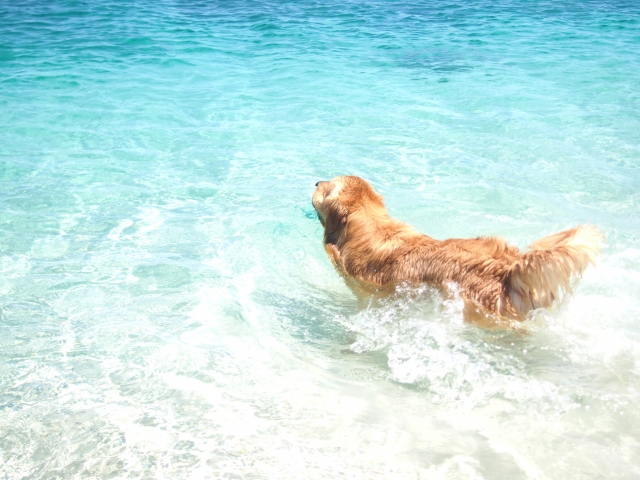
{"x": 167, "y": 308}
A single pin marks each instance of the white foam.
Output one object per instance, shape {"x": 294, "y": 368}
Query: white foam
{"x": 115, "y": 232}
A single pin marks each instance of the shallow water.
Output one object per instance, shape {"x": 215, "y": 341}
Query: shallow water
{"x": 167, "y": 309}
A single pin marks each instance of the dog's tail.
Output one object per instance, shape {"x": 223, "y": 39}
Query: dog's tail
{"x": 544, "y": 273}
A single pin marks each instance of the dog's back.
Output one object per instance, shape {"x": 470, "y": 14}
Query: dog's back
{"x": 500, "y": 277}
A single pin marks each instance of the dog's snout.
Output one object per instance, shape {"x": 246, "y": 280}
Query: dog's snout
{"x": 317, "y": 183}
{"x": 321, "y": 181}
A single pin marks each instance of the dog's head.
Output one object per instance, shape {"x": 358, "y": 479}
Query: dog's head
{"x": 342, "y": 199}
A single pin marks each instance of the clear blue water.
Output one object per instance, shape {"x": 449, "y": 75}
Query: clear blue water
{"x": 167, "y": 309}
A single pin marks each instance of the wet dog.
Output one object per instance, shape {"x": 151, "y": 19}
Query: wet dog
{"x": 373, "y": 251}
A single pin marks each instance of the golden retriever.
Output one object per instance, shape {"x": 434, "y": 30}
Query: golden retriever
{"x": 373, "y": 251}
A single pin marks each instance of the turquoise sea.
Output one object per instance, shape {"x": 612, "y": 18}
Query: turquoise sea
{"x": 167, "y": 309}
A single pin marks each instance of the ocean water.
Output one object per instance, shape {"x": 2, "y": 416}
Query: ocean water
{"x": 166, "y": 306}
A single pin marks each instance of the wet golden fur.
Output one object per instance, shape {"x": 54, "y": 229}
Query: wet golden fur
{"x": 369, "y": 247}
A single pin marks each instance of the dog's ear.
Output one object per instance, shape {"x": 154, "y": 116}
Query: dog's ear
{"x": 334, "y": 224}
